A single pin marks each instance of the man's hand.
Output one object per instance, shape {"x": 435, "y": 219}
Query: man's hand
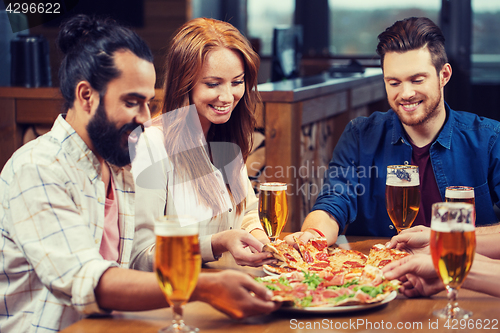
{"x": 413, "y": 240}
{"x": 234, "y": 293}
{"x": 304, "y": 236}
{"x": 245, "y": 248}
{"x": 316, "y": 220}
{"x": 417, "y": 274}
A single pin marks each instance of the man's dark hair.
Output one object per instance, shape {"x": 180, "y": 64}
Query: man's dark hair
{"x": 412, "y": 34}
{"x": 89, "y": 45}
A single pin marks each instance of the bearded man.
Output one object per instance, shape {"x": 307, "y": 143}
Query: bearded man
{"x": 67, "y": 199}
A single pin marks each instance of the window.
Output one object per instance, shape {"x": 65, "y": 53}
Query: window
{"x": 355, "y": 24}
{"x": 485, "y": 27}
{"x": 263, "y": 16}
{"x": 485, "y": 42}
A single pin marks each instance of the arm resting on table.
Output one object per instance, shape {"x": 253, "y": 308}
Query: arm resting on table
{"x": 129, "y": 290}
{"x": 234, "y": 293}
{"x": 488, "y": 244}
{"x": 483, "y": 276}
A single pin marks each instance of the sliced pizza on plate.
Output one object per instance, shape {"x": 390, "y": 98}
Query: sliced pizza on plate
{"x": 308, "y": 289}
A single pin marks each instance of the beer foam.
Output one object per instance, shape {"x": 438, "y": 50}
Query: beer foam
{"x": 403, "y": 183}
{"x": 163, "y": 229}
{"x": 273, "y": 187}
{"x": 451, "y": 226}
{"x": 459, "y": 194}
{"x": 398, "y": 175}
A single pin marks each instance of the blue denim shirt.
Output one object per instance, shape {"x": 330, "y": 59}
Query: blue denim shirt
{"x": 466, "y": 152}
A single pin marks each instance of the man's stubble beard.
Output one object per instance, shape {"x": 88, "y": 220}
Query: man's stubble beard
{"x": 107, "y": 139}
{"x": 431, "y": 112}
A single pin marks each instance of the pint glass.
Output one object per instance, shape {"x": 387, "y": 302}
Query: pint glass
{"x": 402, "y": 195}
{"x": 177, "y": 264}
{"x": 453, "y": 245}
{"x": 273, "y": 208}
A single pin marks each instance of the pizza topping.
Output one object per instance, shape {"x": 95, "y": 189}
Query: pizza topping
{"x": 322, "y": 257}
{"x": 382, "y": 263}
{"x": 380, "y": 255}
{"x": 321, "y": 265}
{"x": 307, "y": 257}
{"x": 353, "y": 264}
{"x": 319, "y": 244}
{"x": 312, "y": 280}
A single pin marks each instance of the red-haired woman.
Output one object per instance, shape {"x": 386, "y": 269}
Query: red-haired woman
{"x": 207, "y": 122}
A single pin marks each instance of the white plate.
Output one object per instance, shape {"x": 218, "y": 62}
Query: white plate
{"x": 340, "y": 309}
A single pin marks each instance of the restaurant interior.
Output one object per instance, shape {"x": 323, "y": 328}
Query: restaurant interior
{"x": 311, "y": 86}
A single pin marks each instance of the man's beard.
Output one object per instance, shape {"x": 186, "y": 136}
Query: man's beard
{"x": 431, "y": 110}
{"x": 107, "y": 139}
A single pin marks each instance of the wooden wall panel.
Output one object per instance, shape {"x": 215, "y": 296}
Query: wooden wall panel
{"x": 282, "y": 127}
{"x": 162, "y": 19}
{"x": 28, "y": 111}
{"x": 10, "y": 133}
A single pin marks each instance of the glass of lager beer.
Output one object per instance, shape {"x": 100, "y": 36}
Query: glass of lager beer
{"x": 273, "y": 208}
{"x": 460, "y": 194}
{"x": 402, "y": 195}
{"x": 453, "y": 244}
{"x": 177, "y": 264}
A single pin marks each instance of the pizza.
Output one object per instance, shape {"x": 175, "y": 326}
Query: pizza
{"x": 289, "y": 259}
{"x": 315, "y": 256}
{"x": 380, "y": 255}
{"x": 314, "y": 253}
{"x": 347, "y": 260}
{"x": 326, "y": 289}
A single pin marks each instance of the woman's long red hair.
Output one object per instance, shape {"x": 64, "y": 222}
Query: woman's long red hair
{"x": 187, "y": 54}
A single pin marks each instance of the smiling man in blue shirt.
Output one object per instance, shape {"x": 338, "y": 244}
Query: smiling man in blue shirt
{"x": 450, "y": 147}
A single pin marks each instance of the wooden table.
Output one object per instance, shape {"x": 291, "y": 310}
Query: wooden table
{"x": 401, "y": 314}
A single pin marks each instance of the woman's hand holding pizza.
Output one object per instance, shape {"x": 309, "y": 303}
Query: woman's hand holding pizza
{"x": 245, "y": 248}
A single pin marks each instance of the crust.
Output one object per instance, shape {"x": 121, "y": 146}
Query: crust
{"x": 279, "y": 270}
{"x": 269, "y": 247}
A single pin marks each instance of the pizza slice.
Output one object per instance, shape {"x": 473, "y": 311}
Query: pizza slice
{"x": 350, "y": 261}
{"x": 289, "y": 258}
{"x": 380, "y": 256}
{"x": 314, "y": 253}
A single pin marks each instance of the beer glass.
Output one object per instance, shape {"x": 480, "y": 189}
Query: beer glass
{"x": 402, "y": 195}
{"x": 460, "y": 194}
{"x": 177, "y": 264}
{"x": 273, "y": 208}
{"x": 453, "y": 244}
